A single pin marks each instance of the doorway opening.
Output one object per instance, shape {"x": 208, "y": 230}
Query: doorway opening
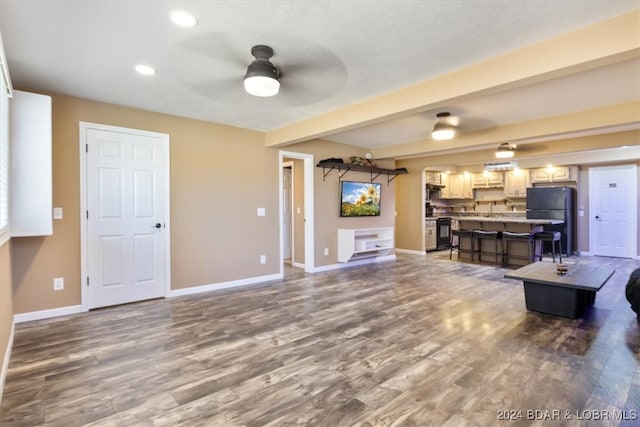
{"x": 296, "y": 203}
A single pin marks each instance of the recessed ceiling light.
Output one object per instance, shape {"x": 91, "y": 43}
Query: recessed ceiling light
{"x": 183, "y": 19}
{"x": 145, "y": 70}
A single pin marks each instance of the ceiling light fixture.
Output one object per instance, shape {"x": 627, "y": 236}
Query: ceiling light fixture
{"x": 505, "y": 151}
{"x": 507, "y": 165}
{"x": 145, "y": 70}
{"x": 443, "y": 130}
{"x": 262, "y": 78}
{"x": 183, "y": 19}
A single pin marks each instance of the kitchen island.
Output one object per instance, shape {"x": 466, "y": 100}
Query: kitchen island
{"x": 518, "y": 249}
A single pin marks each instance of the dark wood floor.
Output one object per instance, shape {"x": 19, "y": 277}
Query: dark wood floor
{"x": 421, "y": 341}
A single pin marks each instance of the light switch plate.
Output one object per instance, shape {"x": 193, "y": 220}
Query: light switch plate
{"x": 57, "y": 213}
{"x": 261, "y": 212}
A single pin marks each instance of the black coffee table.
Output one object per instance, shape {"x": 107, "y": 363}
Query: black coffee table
{"x": 565, "y": 295}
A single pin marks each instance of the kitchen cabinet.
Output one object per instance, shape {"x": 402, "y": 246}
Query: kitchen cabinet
{"x": 555, "y": 174}
{"x": 456, "y": 186}
{"x": 516, "y": 183}
{"x": 430, "y": 241}
{"x": 31, "y": 165}
{"x": 487, "y": 180}
{"x": 432, "y": 178}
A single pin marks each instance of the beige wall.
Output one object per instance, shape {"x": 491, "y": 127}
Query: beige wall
{"x": 327, "y": 197}
{"x": 410, "y": 221}
{"x": 220, "y": 175}
{"x": 6, "y": 298}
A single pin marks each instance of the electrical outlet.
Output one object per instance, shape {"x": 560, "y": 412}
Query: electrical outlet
{"x": 326, "y": 251}
{"x": 58, "y": 283}
{"x": 263, "y": 259}
{"x": 57, "y": 213}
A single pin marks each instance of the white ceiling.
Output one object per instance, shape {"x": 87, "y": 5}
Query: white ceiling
{"x": 331, "y": 54}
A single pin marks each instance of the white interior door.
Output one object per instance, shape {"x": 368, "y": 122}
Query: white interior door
{"x": 126, "y": 224}
{"x": 287, "y": 210}
{"x": 613, "y": 201}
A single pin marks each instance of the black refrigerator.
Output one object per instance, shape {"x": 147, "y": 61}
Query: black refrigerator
{"x": 554, "y": 203}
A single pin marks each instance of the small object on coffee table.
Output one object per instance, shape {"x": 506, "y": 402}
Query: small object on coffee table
{"x": 562, "y": 268}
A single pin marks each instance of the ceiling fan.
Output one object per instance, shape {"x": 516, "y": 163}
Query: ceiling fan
{"x": 306, "y": 72}
{"x": 262, "y": 78}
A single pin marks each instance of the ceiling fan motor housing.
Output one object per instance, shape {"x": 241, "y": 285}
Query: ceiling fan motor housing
{"x": 261, "y": 66}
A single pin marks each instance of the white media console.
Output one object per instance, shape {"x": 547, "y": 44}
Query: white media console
{"x": 360, "y": 243}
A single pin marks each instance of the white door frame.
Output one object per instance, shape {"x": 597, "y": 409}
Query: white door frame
{"x": 84, "y": 246}
{"x": 309, "y": 246}
{"x": 293, "y": 228}
{"x": 634, "y": 208}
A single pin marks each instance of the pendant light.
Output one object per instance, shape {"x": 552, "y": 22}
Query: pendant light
{"x": 443, "y": 130}
{"x": 262, "y": 78}
{"x": 505, "y": 151}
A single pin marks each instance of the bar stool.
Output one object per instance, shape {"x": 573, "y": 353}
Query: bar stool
{"x": 479, "y": 236}
{"x": 460, "y": 234}
{"x": 553, "y": 237}
{"x": 510, "y": 236}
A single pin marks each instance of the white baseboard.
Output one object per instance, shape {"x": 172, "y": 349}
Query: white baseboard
{"x": 354, "y": 263}
{"x": 224, "y": 285}
{"x": 46, "y": 314}
{"x": 298, "y": 265}
{"x": 411, "y": 252}
{"x": 5, "y": 361}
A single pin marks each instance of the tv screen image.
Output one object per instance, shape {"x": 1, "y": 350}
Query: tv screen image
{"x": 359, "y": 198}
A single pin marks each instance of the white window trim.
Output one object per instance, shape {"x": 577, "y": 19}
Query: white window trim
{"x": 5, "y": 233}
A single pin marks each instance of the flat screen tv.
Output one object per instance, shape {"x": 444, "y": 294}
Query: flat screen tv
{"x": 359, "y": 198}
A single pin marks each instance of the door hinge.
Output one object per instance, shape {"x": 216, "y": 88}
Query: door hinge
{"x": 87, "y": 214}
{"x": 86, "y": 148}
{"x": 87, "y": 280}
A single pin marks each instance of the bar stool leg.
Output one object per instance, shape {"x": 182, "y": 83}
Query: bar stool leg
{"x": 560, "y": 250}
{"x": 472, "y": 239}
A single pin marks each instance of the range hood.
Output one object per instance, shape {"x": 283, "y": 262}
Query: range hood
{"x": 430, "y": 186}
{"x": 501, "y": 166}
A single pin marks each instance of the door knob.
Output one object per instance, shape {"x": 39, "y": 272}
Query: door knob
{"x": 158, "y": 225}
{"x": 597, "y": 217}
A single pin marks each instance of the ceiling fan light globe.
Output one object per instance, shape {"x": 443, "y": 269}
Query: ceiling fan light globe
{"x": 505, "y": 151}
{"x": 261, "y": 86}
{"x": 504, "y": 154}
{"x": 443, "y": 129}
{"x": 442, "y": 133}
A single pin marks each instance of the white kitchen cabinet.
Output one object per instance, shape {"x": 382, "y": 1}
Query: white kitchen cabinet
{"x": 516, "y": 183}
{"x": 31, "y": 171}
{"x": 430, "y": 230}
{"x": 487, "y": 180}
{"x": 433, "y": 178}
{"x": 456, "y": 186}
{"x": 555, "y": 174}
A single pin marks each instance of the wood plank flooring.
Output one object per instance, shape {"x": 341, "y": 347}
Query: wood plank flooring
{"x": 420, "y": 341}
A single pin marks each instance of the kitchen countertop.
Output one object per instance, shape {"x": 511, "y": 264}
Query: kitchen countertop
{"x": 511, "y": 220}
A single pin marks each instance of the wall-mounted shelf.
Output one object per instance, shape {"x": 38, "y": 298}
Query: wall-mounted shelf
{"x": 375, "y": 172}
{"x": 356, "y": 244}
